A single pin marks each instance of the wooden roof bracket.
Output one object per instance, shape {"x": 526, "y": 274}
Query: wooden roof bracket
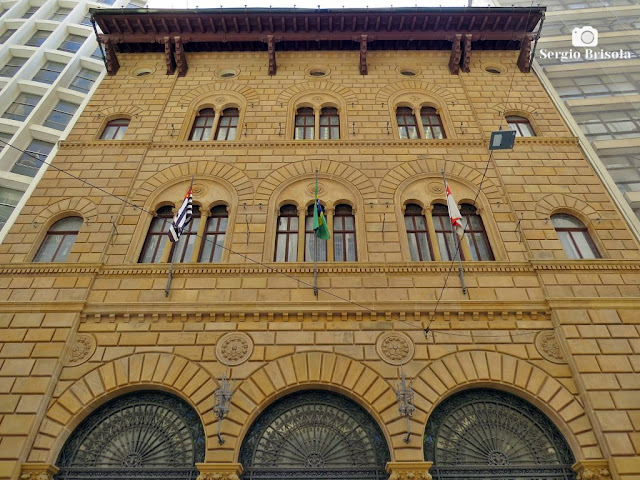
{"x": 112, "y": 60}
{"x": 180, "y": 56}
{"x": 271, "y": 49}
{"x": 456, "y": 53}
{"x": 363, "y": 55}
{"x": 524, "y": 59}
{"x": 168, "y": 56}
{"x": 466, "y": 57}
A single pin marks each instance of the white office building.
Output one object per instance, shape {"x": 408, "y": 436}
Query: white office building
{"x": 50, "y": 64}
{"x": 589, "y": 58}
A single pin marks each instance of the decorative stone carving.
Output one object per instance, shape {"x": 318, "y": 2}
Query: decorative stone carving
{"x": 409, "y": 470}
{"x": 83, "y": 348}
{"x": 234, "y": 348}
{"x": 395, "y": 348}
{"x": 548, "y": 347}
{"x": 220, "y": 100}
{"x": 436, "y": 187}
{"x": 219, "y": 471}
{"x": 592, "y": 470}
{"x": 38, "y": 471}
{"x": 318, "y": 98}
{"x": 311, "y": 189}
{"x": 199, "y": 189}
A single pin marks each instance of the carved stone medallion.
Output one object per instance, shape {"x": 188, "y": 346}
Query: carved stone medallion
{"x": 82, "y": 350}
{"x": 220, "y": 100}
{"x": 234, "y": 348}
{"x": 395, "y": 348}
{"x": 436, "y": 187}
{"x": 311, "y": 189}
{"x": 199, "y": 189}
{"x": 547, "y": 345}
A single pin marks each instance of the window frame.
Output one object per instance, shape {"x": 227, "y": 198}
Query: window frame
{"x": 584, "y": 230}
{"x": 310, "y": 234}
{"x": 188, "y": 236}
{"x": 404, "y": 126}
{"x": 515, "y": 121}
{"x": 163, "y": 216}
{"x": 41, "y": 74}
{"x": 470, "y": 233}
{"x": 343, "y": 232}
{"x": 18, "y": 103}
{"x": 76, "y": 88}
{"x": 226, "y": 125}
{"x": 443, "y": 227}
{"x": 65, "y": 114}
{"x": 216, "y": 214}
{"x": 202, "y": 129}
{"x": 309, "y": 113}
{"x": 119, "y": 125}
{"x": 431, "y": 113}
{"x": 35, "y": 35}
{"x": 64, "y": 233}
{"x": 67, "y": 41}
{"x": 409, "y": 213}
{"x": 28, "y": 157}
{"x": 9, "y": 65}
{"x": 288, "y": 233}
{"x": 332, "y": 120}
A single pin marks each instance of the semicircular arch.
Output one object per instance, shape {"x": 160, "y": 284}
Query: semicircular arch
{"x": 195, "y": 95}
{"x": 479, "y": 368}
{"x": 165, "y": 371}
{"x": 552, "y": 203}
{"x": 341, "y": 91}
{"x": 80, "y": 205}
{"x": 385, "y": 94}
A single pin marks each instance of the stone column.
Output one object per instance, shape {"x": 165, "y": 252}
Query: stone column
{"x": 409, "y": 470}
{"x": 219, "y": 471}
{"x": 38, "y": 471}
{"x": 592, "y": 470}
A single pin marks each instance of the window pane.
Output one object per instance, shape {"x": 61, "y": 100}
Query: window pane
{"x": 61, "y": 115}
{"x": 72, "y": 43}
{"x": 48, "y": 248}
{"x": 38, "y": 38}
{"x": 49, "y": 72}
{"x": 12, "y": 66}
{"x": 22, "y": 107}
{"x": 567, "y": 244}
{"x": 84, "y": 80}
{"x": 30, "y": 162}
{"x": 9, "y": 198}
{"x": 7, "y": 34}
{"x": 584, "y": 245}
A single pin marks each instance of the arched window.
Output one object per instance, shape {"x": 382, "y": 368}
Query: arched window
{"x": 417, "y": 233}
{"x": 156, "y": 236}
{"x": 59, "y": 240}
{"x": 475, "y": 233}
{"x": 182, "y": 250}
{"x": 447, "y": 245}
{"x": 574, "y": 236}
{"x": 329, "y": 124}
{"x": 203, "y": 125}
{"x": 143, "y": 434}
{"x": 311, "y": 241}
{"x": 485, "y": 433}
{"x": 344, "y": 234}
{"x": 287, "y": 235}
{"x": 521, "y": 126}
{"x": 228, "y": 124}
{"x": 314, "y": 434}
{"x": 305, "y": 124}
{"x": 432, "y": 123}
{"x": 407, "y": 126}
{"x": 214, "y": 235}
{"x": 115, "y": 129}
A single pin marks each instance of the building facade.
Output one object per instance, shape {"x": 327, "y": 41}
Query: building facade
{"x": 600, "y": 92}
{"x": 50, "y": 63}
{"x": 120, "y": 350}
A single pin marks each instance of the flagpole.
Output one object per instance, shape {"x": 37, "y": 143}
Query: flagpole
{"x": 456, "y": 242}
{"x": 315, "y": 247}
{"x": 167, "y": 289}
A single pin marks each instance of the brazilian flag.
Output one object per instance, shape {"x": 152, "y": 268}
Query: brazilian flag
{"x": 319, "y": 221}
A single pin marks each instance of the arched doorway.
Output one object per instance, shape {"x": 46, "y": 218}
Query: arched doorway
{"x": 143, "y": 435}
{"x": 490, "y": 434}
{"x": 314, "y": 434}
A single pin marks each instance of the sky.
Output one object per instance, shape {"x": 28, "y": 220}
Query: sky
{"x": 310, "y": 3}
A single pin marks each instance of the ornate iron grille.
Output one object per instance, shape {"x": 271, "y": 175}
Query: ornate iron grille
{"x": 481, "y": 434}
{"x": 142, "y": 435}
{"x": 314, "y": 434}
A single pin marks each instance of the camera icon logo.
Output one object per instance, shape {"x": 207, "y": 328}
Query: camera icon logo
{"x": 584, "y": 37}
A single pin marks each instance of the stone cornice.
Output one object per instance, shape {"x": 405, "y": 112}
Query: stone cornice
{"x": 272, "y": 268}
{"x": 594, "y": 302}
{"x": 42, "y": 307}
{"x": 296, "y": 144}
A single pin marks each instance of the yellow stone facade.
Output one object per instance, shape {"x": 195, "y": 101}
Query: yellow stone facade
{"x": 562, "y": 334}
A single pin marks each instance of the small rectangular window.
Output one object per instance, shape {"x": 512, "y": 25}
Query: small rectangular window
{"x": 60, "y": 14}
{"x": 72, "y": 43}
{"x": 86, "y": 20}
{"x": 38, "y": 38}
{"x": 30, "y": 11}
{"x": 12, "y": 66}
{"x": 4, "y": 139}
{"x": 49, "y": 72}
{"x": 61, "y": 115}
{"x": 22, "y": 106}
{"x": 84, "y": 80}
{"x": 31, "y": 160}
{"x": 6, "y": 34}
{"x": 9, "y": 198}
{"x": 97, "y": 53}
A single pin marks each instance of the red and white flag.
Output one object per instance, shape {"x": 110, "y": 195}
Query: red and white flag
{"x": 454, "y": 213}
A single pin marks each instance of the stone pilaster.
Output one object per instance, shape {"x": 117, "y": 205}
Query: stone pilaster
{"x": 219, "y": 471}
{"x": 592, "y": 470}
{"x": 38, "y": 471}
{"x": 409, "y": 470}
